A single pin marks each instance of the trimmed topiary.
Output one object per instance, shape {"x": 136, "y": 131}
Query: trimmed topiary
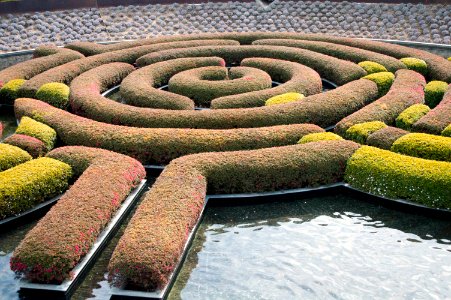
{"x": 384, "y": 80}
{"x": 321, "y": 136}
{"x": 284, "y": 98}
{"x": 30, "y": 183}
{"x": 385, "y": 137}
{"x": 55, "y": 94}
{"x": 360, "y": 132}
{"x": 447, "y": 131}
{"x": 434, "y": 91}
{"x": 11, "y": 156}
{"x": 10, "y": 91}
{"x": 415, "y": 64}
{"x": 372, "y": 67}
{"x": 394, "y": 175}
{"x": 411, "y": 115}
{"x": 36, "y": 129}
{"x": 35, "y": 147}
{"x": 424, "y": 145}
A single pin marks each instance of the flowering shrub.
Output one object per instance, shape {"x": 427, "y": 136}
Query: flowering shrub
{"x": 410, "y": 115}
{"x": 36, "y": 148}
{"x": 407, "y": 90}
{"x": 415, "y": 64}
{"x": 30, "y": 183}
{"x": 320, "y": 136}
{"x": 54, "y": 93}
{"x": 434, "y": 91}
{"x": 11, "y": 156}
{"x": 284, "y": 99}
{"x": 153, "y": 241}
{"x": 394, "y": 175}
{"x": 30, "y": 127}
{"x": 372, "y": 67}
{"x": 60, "y": 240}
{"x": 10, "y": 91}
{"x": 424, "y": 145}
{"x": 360, "y": 132}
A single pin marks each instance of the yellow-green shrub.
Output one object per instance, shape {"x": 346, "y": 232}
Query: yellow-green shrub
{"x": 284, "y": 98}
{"x": 54, "y": 93}
{"x": 11, "y": 156}
{"x": 320, "y": 136}
{"x": 415, "y": 64}
{"x": 360, "y": 132}
{"x": 30, "y": 183}
{"x": 384, "y": 80}
{"x": 447, "y": 131}
{"x": 393, "y": 175}
{"x": 424, "y": 145}
{"x": 409, "y": 116}
{"x": 38, "y": 130}
{"x": 434, "y": 91}
{"x": 372, "y": 67}
{"x": 9, "y": 92}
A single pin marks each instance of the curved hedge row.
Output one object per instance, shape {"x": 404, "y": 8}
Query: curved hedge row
{"x": 10, "y": 91}
{"x": 139, "y": 87}
{"x": 360, "y": 132}
{"x": 424, "y": 145}
{"x": 323, "y": 109}
{"x": 331, "y": 68}
{"x": 42, "y": 132}
{"x": 11, "y": 156}
{"x": 406, "y": 90}
{"x": 66, "y": 72}
{"x": 353, "y": 54}
{"x": 385, "y": 137}
{"x": 411, "y": 115}
{"x": 394, "y": 175}
{"x": 434, "y": 92}
{"x": 50, "y": 57}
{"x": 207, "y": 83}
{"x": 58, "y": 242}
{"x": 35, "y": 147}
{"x": 153, "y": 241}
{"x": 293, "y": 76}
{"x": 436, "y": 120}
{"x": 30, "y": 183}
{"x": 320, "y": 136}
{"x": 439, "y": 68}
{"x": 160, "y": 145}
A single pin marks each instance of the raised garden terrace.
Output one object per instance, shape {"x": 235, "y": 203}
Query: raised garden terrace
{"x": 232, "y": 165}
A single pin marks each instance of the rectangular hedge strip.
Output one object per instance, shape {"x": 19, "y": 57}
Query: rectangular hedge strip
{"x": 30, "y": 183}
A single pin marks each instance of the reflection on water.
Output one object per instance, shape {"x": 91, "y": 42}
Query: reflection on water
{"x": 324, "y": 248}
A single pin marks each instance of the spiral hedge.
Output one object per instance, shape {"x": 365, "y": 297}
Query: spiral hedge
{"x": 238, "y": 145}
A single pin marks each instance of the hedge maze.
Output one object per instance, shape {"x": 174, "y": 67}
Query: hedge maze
{"x": 224, "y": 113}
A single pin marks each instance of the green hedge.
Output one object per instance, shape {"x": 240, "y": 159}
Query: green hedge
{"x": 416, "y": 64}
{"x": 324, "y": 109}
{"x": 437, "y": 119}
{"x": 424, "y": 145}
{"x": 434, "y": 92}
{"x": 30, "y": 183}
{"x": 62, "y": 238}
{"x": 30, "y": 127}
{"x": 372, "y": 67}
{"x": 151, "y": 246}
{"x": 157, "y": 145}
{"x": 284, "y": 99}
{"x": 411, "y": 115}
{"x": 67, "y": 72}
{"x": 406, "y": 90}
{"x": 385, "y": 137}
{"x": 394, "y": 175}
{"x": 11, "y": 156}
{"x": 447, "y": 131}
{"x": 54, "y": 93}
{"x": 331, "y": 68}
{"x": 384, "y": 80}
{"x": 139, "y": 88}
{"x": 35, "y": 147}
{"x": 353, "y": 54}
{"x": 360, "y": 132}
{"x": 10, "y": 91}
{"x": 207, "y": 83}
{"x": 320, "y": 136}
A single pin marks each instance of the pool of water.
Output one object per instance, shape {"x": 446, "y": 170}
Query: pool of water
{"x": 333, "y": 247}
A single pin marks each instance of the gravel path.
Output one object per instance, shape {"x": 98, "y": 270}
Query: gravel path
{"x": 425, "y": 23}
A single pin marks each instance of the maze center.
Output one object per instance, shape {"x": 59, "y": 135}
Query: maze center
{"x": 224, "y": 119}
